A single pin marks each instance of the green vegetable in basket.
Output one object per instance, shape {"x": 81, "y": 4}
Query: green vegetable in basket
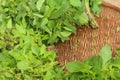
{"x": 27, "y": 27}
{"x": 101, "y": 67}
{"x": 55, "y": 20}
{"x": 92, "y": 21}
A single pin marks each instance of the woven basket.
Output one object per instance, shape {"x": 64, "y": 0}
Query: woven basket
{"x": 87, "y": 42}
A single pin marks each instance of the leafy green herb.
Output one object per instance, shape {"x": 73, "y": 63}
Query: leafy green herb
{"x": 27, "y": 27}
{"x": 92, "y": 21}
{"x": 100, "y": 67}
{"x": 77, "y": 67}
{"x": 55, "y": 20}
{"x": 106, "y": 54}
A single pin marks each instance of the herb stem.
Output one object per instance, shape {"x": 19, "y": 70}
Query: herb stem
{"x": 92, "y": 20}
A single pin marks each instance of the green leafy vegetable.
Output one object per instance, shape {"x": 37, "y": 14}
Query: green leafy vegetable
{"x": 100, "y": 67}
{"x": 77, "y": 67}
{"x": 49, "y": 17}
{"x": 39, "y": 4}
{"x": 27, "y": 28}
{"x": 106, "y": 54}
{"x": 23, "y": 65}
{"x": 75, "y": 3}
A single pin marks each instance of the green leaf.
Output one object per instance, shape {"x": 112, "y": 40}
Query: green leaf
{"x": 95, "y": 62}
{"x": 50, "y": 55}
{"x": 77, "y": 67}
{"x": 95, "y": 6}
{"x": 48, "y": 75}
{"x": 23, "y": 65}
{"x": 53, "y": 38}
{"x": 115, "y": 63}
{"x": 39, "y": 4}
{"x": 20, "y": 28}
{"x": 7, "y": 60}
{"x": 64, "y": 9}
{"x": 75, "y": 76}
{"x": 70, "y": 28}
{"x": 45, "y": 37}
{"x": 96, "y": 10}
{"x": 48, "y": 30}
{"x": 42, "y": 49}
{"x": 75, "y": 3}
{"x": 105, "y": 54}
{"x": 35, "y": 50}
{"x": 7, "y": 74}
{"x": 17, "y": 55}
{"x": 9, "y": 24}
{"x": 65, "y": 33}
{"x": 38, "y": 15}
{"x": 24, "y": 23}
{"x": 83, "y": 19}
{"x": 43, "y": 22}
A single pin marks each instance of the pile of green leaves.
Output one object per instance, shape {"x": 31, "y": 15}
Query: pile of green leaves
{"x": 54, "y": 19}
{"x": 24, "y": 57}
{"x": 27, "y": 26}
{"x": 28, "y": 60}
{"x": 101, "y": 67}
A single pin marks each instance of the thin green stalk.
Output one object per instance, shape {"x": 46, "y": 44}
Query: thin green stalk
{"x": 92, "y": 20}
